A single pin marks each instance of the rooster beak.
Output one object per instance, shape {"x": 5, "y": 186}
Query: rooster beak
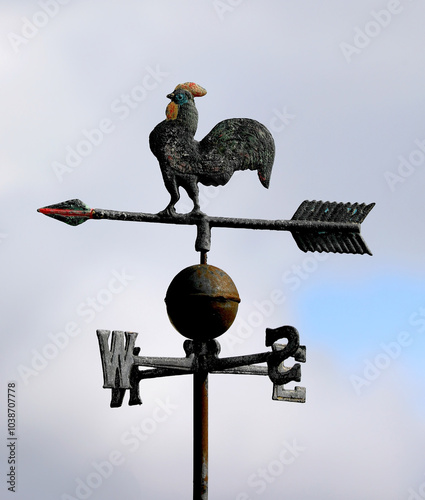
{"x": 170, "y": 96}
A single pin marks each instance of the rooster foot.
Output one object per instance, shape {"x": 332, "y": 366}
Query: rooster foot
{"x": 196, "y": 211}
{"x": 168, "y": 212}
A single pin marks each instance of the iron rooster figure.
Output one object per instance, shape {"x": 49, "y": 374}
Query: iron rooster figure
{"x": 233, "y": 144}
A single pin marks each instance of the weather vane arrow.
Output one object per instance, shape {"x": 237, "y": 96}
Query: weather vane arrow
{"x": 316, "y": 226}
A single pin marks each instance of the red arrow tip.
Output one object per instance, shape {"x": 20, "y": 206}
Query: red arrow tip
{"x": 73, "y": 212}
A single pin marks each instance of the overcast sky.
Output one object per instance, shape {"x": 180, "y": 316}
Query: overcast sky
{"x": 341, "y": 88}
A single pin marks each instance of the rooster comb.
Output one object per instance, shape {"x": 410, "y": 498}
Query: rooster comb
{"x": 195, "y": 89}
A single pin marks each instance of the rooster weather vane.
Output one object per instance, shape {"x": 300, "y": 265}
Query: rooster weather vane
{"x": 235, "y": 144}
{"x": 202, "y": 300}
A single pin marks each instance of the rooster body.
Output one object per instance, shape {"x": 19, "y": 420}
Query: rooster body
{"x": 233, "y": 144}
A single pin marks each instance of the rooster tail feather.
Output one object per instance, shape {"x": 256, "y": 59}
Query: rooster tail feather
{"x": 264, "y": 174}
{"x": 239, "y": 144}
{"x": 265, "y": 155}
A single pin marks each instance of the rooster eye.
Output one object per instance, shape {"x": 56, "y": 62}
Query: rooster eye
{"x": 180, "y": 98}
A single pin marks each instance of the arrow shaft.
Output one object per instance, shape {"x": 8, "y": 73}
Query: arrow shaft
{"x": 229, "y": 222}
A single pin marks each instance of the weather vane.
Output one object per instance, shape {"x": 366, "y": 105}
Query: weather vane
{"x": 202, "y": 300}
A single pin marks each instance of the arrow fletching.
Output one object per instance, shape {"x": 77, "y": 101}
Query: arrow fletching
{"x": 72, "y": 212}
{"x": 335, "y": 240}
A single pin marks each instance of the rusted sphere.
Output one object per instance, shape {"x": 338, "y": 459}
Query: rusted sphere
{"x": 202, "y": 302}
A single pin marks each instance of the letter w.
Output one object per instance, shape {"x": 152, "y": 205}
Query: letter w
{"x": 117, "y": 361}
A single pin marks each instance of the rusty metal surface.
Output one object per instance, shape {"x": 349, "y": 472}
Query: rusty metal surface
{"x": 200, "y": 435}
{"x": 202, "y": 302}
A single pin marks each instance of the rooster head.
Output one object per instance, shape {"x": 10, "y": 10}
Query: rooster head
{"x": 183, "y": 93}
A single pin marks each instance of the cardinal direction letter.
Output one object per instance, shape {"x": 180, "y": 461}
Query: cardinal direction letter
{"x": 280, "y": 374}
{"x": 296, "y": 395}
{"x": 117, "y": 361}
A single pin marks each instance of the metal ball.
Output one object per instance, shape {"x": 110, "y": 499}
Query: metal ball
{"x": 202, "y": 302}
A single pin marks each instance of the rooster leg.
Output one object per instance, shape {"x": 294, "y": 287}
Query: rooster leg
{"x": 191, "y": 187}
{"x": 173, "y": 189}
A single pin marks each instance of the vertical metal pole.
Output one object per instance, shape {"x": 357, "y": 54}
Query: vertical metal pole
{"x": 200, "y": 435}
{"x": 203, "y": 257}
{"x": 200, "y": 414}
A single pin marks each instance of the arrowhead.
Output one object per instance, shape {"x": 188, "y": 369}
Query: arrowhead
{"x": 72, "y": 212}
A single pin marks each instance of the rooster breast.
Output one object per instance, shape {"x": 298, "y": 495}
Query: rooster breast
{"x": 174, "y": 147}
